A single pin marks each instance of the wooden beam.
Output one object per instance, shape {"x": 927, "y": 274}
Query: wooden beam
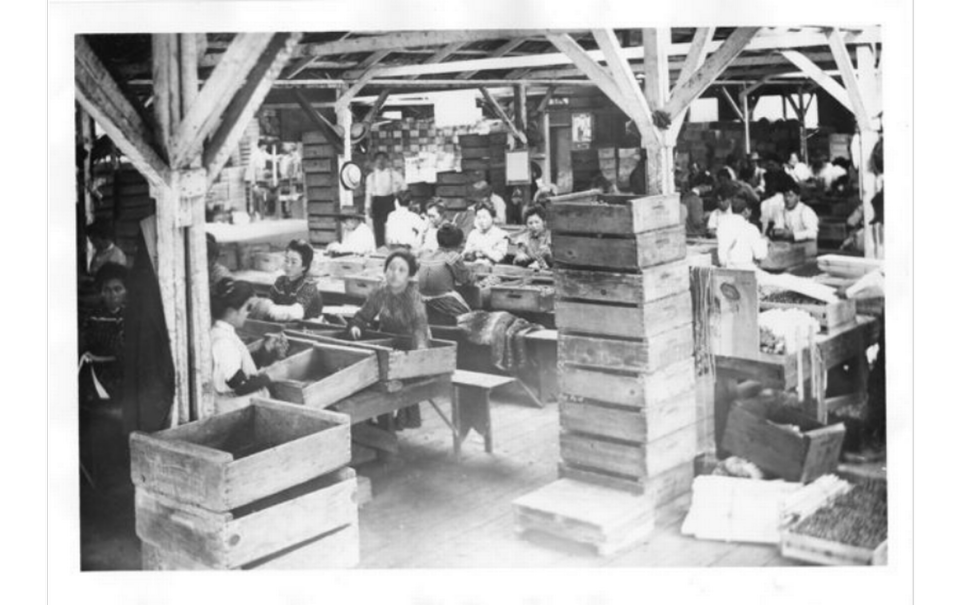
{"x": 161, "y": 55}
{"x": 444, "y": 83}
{"x": 799, "y": 111}
{"x": 332, "y": 133}
{"x": 376, "y": 107}
{"x": 817, "y": 75}
{"x": 498, "y": 109}
{"x": 500, "y": 51}
{"x": 659, "y": 151}
{"x": 343, "y": 100}
{"x": 294, "y": 70}
{"x": 711, "y": 69}
{"x": 623, "y": 77}
{"x": 603, "y": 79}
{"x": 101, "y": 97}
{"x": 220, "y": 88}
{"x": 442, "y": 54}
{"x": 839, "y": 51}
{"x": 732, "y": 103}
{"x": 694, "y": 60}
{"x": 408, "y": 40}
{"x": 246, "y": 102}
{"x": 365, "y": 65}
{"x": 544, "y": 103}
{"x": 519, "y": 107}
{"x": 756, "y": 86}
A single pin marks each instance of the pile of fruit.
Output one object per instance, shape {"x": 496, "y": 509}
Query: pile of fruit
{"x": 782, "y": 331}
{"x": 857, "y": 518}
{"x": 787, "y": 297}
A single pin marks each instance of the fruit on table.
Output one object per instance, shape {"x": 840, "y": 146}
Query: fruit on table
{"x": 857, "y": 518}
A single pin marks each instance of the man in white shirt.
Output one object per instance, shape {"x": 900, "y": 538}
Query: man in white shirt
{"x": 435, "y": 217}
{"x": 382, "y": 185}
{"x": 483, "y": 192}
{"x": 403, "y": 226}
{"x": 357, "y": 236}
{"x": 722, "y": 212}
{"x": 739, "y": 243}
{"x": 788, "y": 217}
{"x": 799, "y": 171}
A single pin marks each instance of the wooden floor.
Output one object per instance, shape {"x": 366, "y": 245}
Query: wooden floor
{"x": 430, "y": 511}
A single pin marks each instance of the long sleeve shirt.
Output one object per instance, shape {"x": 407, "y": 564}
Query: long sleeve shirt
{"x": 403, "y": 313}
{"x": 230, "y": 357}
{"x": 491, "y": 245}
{"x": 716, "y": 218}
{"x": 739, "y": 243}
{"x": 380, "y": 183}
{"x": 403, "y": 228}
{"x": 801, "y": 220}
{"x": 537, "y": 247}
{"x": 358, "y": 241}
{"x": 441, "y": 271}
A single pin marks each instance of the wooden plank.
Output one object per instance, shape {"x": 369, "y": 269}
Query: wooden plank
{"x": 639, "y": 390}
{"x": 644, "y": 355}
{"x": 195, "y": 473}
{"x": 247, "y": 101}
{"x": 226, "y": 541}
{"x": 376, "y": 438}
{"x": 500, "y": 51}
{"x": 372, "y": 402}
{"x": 501, "y": 114}
{"x": 410, "y": 39}
{"x": 624, "y": 217}
{"x": 646, "y": 250}
{"x": 693, "y": 61}
{"x": 641, "y": 321}
{"x": 663, "y": 488}
{"x": 820, "y": 77}
{"x": 837, "y": 45}
{"x": 652, "y": 283}
{"x": 339, "y": 549}
{"x": 318, "y": 165}
{"x": 690, "y": 90}
{"x": 637, "y": 461}
{"x": 733, "y": 312}
{"x": 636, "y": 425}
{"x": 101, "y": 97}
{"x": 618, "y": 66}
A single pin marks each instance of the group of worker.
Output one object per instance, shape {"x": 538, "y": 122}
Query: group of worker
{"x": 754, "y": 205}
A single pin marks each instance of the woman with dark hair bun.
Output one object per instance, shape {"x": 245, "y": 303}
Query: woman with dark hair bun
{"x": 294, "y": 295}
{"x": 533, "y": 245}
{"x": 441, "y": 271}
{"x": 235, "y": 376}
{"x": 399, "y": 309}
{"x": 101, "y": 336}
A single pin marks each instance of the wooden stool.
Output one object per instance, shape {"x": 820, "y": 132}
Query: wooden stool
{"x": 470, "y": 404}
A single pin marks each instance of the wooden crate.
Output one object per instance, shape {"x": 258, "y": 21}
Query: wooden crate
{"x": 523, "y": 297}
{"x": 832, "y": 316}
{"x": 398, "y": 360}
{"x": 634, "y": 321}
{"x": 621, "y": 253}
{"x": 322, "y": 222}
{"x": 646, "y": 286}
{"x": 474, "y": 140}
{"x": 322, "y": 207}
{"x": 628, "y": 460}
{"x": 459, "y": 178}
{"x": 468, "y": 163}
{"x": 338, "y": 549}
{"x": 347, "y": 265}
{"x": 662, "y": 488}
{"x": 617, "y": 215}
{"x": 318, "y": 151}
{"x": 643, "y": 355}
{"x": 318, "y": 165}
{"x": 826, "y": 552}
{"x": 474, "y": 153}
{"x": 361, "y": 286}
{"x": 323, "y": 193}
{"x": 456, "y": 191}
{"x": 247, "y": 534}
{"x": 319, "y": 179}
{"x": 756, "y": 430}
{"x": 322, "y": 375}
{"x": 607, "y": 519}
{"x": 632, "y": 424}
{"x": 233, "y": 459}
{"x": 787, "y": 255}
{"x": 631, "y": 389}
{"x": 322, "y": 237}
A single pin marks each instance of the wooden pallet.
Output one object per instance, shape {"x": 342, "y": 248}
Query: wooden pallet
{"x": 232, "y": 459}
{"x": 649, "y": 285}
{"x": 607, "y": 519}
{"x": 618, "y": 215}
{"x": 621, "y": 253}
{"x": 633, "y": 389}
{"x": 625, "y": 321}
{"x": 250, "y": 534}
{"x": 644, "y": 355}
{"x": 636, "y": 425}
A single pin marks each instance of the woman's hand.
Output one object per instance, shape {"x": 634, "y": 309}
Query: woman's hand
{"x": 355, "y": 332}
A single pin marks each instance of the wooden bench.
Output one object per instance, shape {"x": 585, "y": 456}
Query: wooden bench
{"x": 470, "y": 406}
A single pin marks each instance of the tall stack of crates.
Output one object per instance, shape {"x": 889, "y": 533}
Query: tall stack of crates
{"x": 320, "y": 175}
{"x": 627, "y": 372}
{"x": 262, "y": 487}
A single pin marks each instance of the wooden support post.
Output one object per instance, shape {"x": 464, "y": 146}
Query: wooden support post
{"x": 800, "y": 109}
{"x": 547, "y": 148}
{"x": 519, "y": 107}
{"x": 691, "y": 65}
{"x": 344, "y": 121}
{"x": 747, "y": 116}
{"x": 331, "y": 131}
{"x": 732, "y": 103}
{"x": 659, "y": 153}
{"x": 501, "y": 114}
{"x": 868, "y": 76}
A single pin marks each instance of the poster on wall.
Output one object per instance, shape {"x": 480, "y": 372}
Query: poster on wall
{"x": 420, "y": 168}
{"x": 582, "y": 130}
{"x": 517, "y": 167}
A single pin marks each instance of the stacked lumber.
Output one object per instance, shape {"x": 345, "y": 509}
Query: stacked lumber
{"x": 263, "y": 487}
{"x": 625, "y": 349}
{"x": 124, "y": 200}
{"x": 321, "y": 180}
{"x": 456, "y": 188}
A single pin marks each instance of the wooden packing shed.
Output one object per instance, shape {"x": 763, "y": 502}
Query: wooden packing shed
{"x": 205, "y": 88}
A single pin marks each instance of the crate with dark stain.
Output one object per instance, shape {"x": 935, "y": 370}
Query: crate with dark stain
{"x": 232, "y": 459}
{"x": 534, "y": 294}
{"x": 616, "y": 214}
{"x": 322, "y": 375}
{"x": 620, "y": 253}
{"x": 182, "y": 536}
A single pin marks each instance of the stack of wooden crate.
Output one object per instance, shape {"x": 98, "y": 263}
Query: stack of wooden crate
{"x": 124, "y": 200}
{"x": 320, "y": 172}
{"x": 263, "y": 487}
{"x": 456, "y": 188}
{"x": 624, "y": 314}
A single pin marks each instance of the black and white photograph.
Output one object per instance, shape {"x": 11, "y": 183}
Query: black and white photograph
{"x": 419, "y": 291}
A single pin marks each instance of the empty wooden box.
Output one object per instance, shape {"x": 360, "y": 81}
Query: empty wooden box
{"x": 398, "y": 360}
{"x": 229, "y": 460}
{"x": 323, "y": 374}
